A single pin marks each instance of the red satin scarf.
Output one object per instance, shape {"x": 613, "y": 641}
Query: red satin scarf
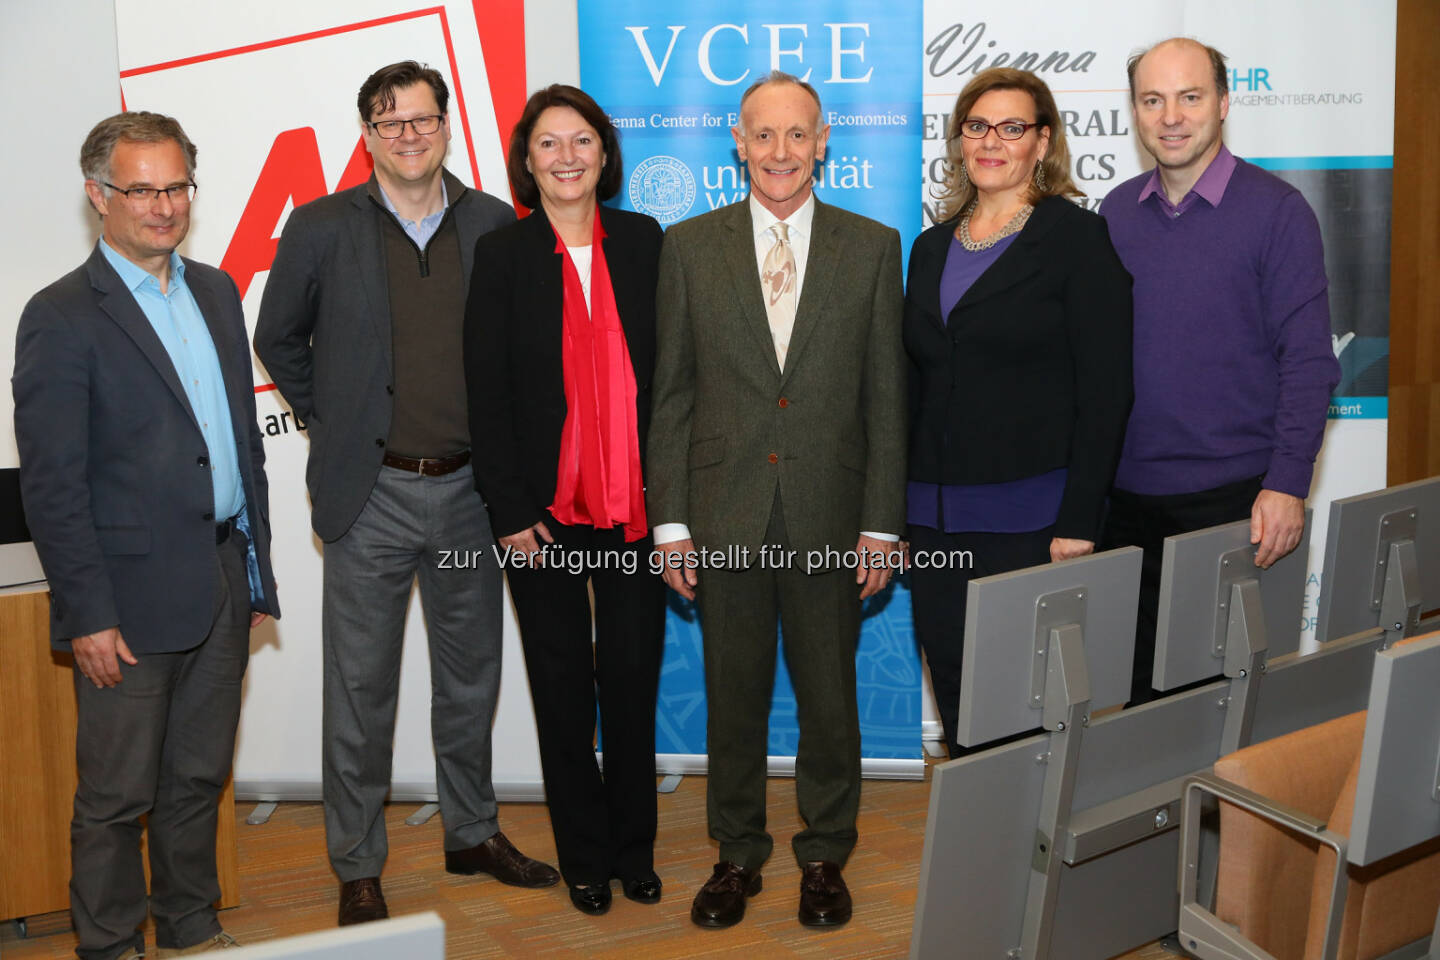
{"x": 598, "y": 481}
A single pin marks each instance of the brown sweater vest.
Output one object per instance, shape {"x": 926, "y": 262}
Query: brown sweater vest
{"x": 427, "y": 313}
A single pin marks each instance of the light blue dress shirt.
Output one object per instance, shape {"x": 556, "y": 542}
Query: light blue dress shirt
{"x": 419, "y": 230}
{"x": 176, "y": 319}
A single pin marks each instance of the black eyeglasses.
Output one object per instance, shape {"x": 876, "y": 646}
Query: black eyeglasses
{"x": 973, "y": 129}
{"x": 178, "y": 193}
{"x": 394, "y": 129}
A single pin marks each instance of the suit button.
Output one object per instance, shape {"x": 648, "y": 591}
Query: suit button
{"x": 784, "y": 403}
{"x": 209, "y": 517}
{"x": 379, "y": 442}
{"x": 773, "y": 459}
{"x": 203, "y": 461}
{"x": 389, "y": 388}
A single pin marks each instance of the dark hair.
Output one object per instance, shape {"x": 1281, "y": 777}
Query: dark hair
{"x": 134, "y": 126}
{"x": 1217, "y": 64}
{"x": 522, "y": 181}
{"x": 958, "y": 192}
{"x": 377, "y": 93}
{"x": 781, "y": 77}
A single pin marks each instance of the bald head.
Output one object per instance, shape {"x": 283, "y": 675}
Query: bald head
{"x": 1183, "y": 47}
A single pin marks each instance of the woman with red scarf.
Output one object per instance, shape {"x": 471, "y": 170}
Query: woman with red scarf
{"x": 559, "y": 347}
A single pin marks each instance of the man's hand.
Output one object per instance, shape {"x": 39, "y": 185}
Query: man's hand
{"x": 677, "y": 576}
{"x": 526, "y": 541}
{"x": 257, "y": 617}
{"x": 1276, "y": 522}
{"x": 1063, "y": 548}
{"x": 875, "y": 564}
{"x": 95, "y": 655}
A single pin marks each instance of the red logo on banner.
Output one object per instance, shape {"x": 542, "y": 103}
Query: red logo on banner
{"x": 292, "y": 172}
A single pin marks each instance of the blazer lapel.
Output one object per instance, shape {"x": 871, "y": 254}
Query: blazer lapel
{"x": 370, "y": 257}
{"x": 820, "y": 265}
{"x": 738, "y": 250}
{"x": 622, "y": 279}
{"x": 546, "y": 302}
{"x": 934, "y": 247}
{"x": 466, "y": 228}
{"x": 118, "y": 303}
{"x": 1020, "y": 261}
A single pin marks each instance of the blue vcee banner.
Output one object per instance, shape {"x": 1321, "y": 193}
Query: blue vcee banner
{"x": 670, "y": 76}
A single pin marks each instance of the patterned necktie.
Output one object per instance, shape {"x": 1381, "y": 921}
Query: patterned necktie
{"x": 778, "y": 279}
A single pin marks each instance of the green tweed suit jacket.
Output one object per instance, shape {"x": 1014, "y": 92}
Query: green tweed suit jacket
{"x": 728, "y": 427}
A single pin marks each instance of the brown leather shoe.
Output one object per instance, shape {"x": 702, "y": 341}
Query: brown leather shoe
{"x": 499, "y": 858}
{"x": 361, "y": 901}
{"x": 824, "y": 898}
{"x": 721, "y": 902}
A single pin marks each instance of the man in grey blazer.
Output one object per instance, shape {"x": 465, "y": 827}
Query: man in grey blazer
{"x": 360, "y": 328}
{"x": 142, "y": 473}
{"x": 778, "y": 436}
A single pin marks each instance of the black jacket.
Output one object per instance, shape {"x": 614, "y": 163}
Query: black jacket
{"x": 1032, "y": 372}
{"x": 514, "y": 373}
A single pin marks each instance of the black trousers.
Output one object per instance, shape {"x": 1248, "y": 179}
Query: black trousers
{"x": 160, "y": 742}
{"x": 1145, "y": 521}
{"x": 938, "y": 584}
{"x": 604, "y": 824}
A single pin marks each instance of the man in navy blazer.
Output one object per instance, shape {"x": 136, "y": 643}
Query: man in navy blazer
{"x": 142, "y": 473}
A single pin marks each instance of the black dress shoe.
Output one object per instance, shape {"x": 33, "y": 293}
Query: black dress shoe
{"x": 361, "y": 901}
{"x": 642, "y": 889}
{"x": 721, "y": 902}
{"x": 590, "y": 897}
{"x": 499, "y": 858}
{"x": 824, "y": 898}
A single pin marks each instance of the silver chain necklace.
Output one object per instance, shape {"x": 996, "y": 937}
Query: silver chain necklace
{"x": 1016, "y": 224}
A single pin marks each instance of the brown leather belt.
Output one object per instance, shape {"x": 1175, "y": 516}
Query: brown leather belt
{"x": 428, "y": 466}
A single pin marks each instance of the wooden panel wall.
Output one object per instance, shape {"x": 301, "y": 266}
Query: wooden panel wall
{"x": 1414, "y": 443}
{"x": 37, "y": 768}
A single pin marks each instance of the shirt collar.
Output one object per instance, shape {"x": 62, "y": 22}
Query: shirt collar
{"x": 444, "y": 202}
{"x": 134, "y": 276}
{"x": 1211, "y": 185}
{"x": 761, "y": 219}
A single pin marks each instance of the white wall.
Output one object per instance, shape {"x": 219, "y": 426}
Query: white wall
{"x": 57, "y": 60}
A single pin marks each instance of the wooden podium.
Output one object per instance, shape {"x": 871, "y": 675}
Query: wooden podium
{"x": 37, "y": 767}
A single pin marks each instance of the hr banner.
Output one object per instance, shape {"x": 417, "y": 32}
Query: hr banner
{"x": 671, "y": 76}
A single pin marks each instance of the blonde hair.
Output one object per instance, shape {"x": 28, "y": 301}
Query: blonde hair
{"x": 959, "y": 192}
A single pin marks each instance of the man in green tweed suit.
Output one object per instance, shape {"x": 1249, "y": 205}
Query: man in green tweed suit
{"x": 777, "y": 440}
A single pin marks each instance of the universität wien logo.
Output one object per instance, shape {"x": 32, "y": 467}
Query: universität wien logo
{"x": 663, "y": 187}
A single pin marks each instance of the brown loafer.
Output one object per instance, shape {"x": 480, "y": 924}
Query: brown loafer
{"x": 499, "y": 858}
{"x": 824, "y": 898}
{"x": 721, "y": 902}
{"x": 361, "y": 901}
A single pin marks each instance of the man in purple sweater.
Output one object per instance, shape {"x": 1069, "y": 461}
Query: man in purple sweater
{"x": 1233, "y": 363}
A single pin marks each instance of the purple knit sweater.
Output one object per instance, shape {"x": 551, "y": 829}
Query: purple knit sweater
{"x": 1233, "y": 363}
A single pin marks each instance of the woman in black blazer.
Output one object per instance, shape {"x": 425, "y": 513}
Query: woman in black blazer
{"x": 1017, "y": 325}
{"x": 559, "y": 349}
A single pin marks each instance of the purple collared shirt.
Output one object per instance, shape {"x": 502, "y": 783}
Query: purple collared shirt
{"x": 1210, "y": 187}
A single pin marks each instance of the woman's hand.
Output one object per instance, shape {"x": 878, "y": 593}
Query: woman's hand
{"x": 1063, "y": 548}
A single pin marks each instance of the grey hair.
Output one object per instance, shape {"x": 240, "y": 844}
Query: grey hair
{"x": 780, "y": 76}
{"x": 135, "y": 126}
